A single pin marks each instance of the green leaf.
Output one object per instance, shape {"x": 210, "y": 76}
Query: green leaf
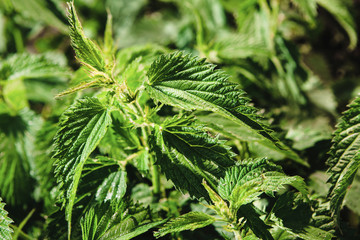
{"x": 258, "y": 146}
{"x": 341, "y": 13}
{"x": 188, "y": 221}
{"x": 86, "y": 51}
{"x": 41, "y": 11}
{"x": 15, "y": 94}
{"x": 26, "y": 66}
{"x": 191, "y": 83}
{"x": 16, "y": 158}
{"x": 308, "y": 9}
{"x": 260, "y": 176}
{"x": 187, "y": 154}
{"x": 254, "y": 222}
{"x": 113, "y": 187}
{"x": 140, "y": 230}
{"x": 5, "y": 230}
{"x": 82, "y": 126}
{"x": 295, "y": 216}
{"x": 344, "y": 160}
{"x": 131, "y": 226}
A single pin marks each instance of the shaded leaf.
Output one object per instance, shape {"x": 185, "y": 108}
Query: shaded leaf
{"x": 254, "y": 222}
{"x": 341, "y": 13}
{"x": 187, "y": 154}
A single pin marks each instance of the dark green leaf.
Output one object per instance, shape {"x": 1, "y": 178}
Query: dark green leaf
{"x": 341, "y": 13}
{"x": 187, "y": 154}
{"x": 254, "y": 222}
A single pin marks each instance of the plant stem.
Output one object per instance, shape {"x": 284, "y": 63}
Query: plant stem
{"x": 237, "y": 235}
{"x": 155, "y": 172}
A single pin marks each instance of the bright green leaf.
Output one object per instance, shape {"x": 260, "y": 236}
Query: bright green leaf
{"x": 86, "y": 51}
{"x": 5, "y": 230}
{"x": 191, "y": 83}
{"x": 188, "y": 221}
{"x": 113, "y": 187}
{"x": 82, "y": 126}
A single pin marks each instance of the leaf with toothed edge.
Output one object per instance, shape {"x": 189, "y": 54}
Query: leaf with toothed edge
{"x": 190, "y": 83}
{"x": 82, "y": 126}
{"x": 187, "y": 154}
{"x": 344, "y": 160}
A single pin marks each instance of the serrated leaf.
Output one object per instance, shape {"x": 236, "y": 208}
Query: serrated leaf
{"x": 140, "y": 230}
{"x": 86, "y": 51}
{"x": 344, "y": 160}
{"x": 256, "y": 143}
{"x": 188, "y": 221}
{"x": 295, "y": 217}
{"x": 261, "y": 176}
{"x": 191, "y": 83}
{"x": 187, "y": 154}
{"x": 113, "y": 187}
{"x": 342, "y": 14}
{"x": 5, "y": 230}
{"x": 82, "y": 126}
{"x": 126, "y": 226}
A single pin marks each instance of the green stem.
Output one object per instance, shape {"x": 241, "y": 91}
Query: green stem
{"x": 155, "y": 176}
{"x": 237, "y": 235}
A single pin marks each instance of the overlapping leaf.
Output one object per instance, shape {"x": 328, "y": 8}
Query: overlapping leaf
{"x": 344, "y": 157}
{"x": 5, "y": 230}
{"x": 191, "y": 83}
{"x": 187, "y": 154}
{"x": 82, "y": 127}
{"x": 261, "y": 175}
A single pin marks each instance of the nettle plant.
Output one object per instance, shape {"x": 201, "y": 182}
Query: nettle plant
{"x": 144, "y": 118}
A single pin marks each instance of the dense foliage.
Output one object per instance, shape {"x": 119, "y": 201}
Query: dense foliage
{"x": 169, "y": 119}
